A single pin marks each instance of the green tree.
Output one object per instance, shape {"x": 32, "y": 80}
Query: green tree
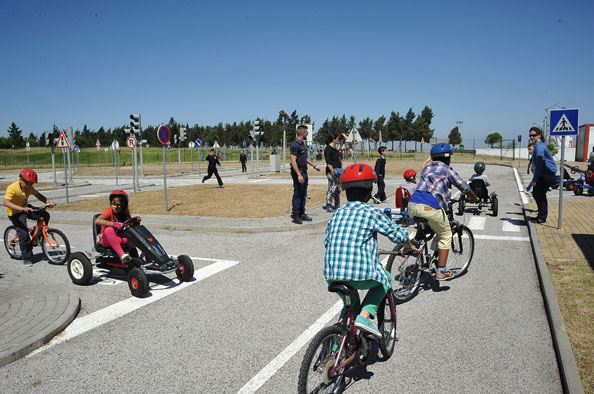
{"x": 455, "y": 138}
{"x": 32, "y": 140}
{"x": 493, "y": 138}
{"x": 15, "y": 136}
{"x": 394, "y": 128}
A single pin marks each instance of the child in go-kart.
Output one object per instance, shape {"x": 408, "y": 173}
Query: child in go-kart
{"x": 410, "y": 181}
{"x": 112, "y": 222}
{"x": 479, "y": 169}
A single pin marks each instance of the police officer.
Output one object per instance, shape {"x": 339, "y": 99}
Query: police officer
{"x": 299, "y": 162}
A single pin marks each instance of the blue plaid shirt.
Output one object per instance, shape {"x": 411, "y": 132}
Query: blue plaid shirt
{"x": 351, "y": 243}
{"x": 437, "y": 178}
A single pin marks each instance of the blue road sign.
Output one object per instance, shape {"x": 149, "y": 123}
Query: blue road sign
{"x": 520, "y": 138}
{"x": 75, "y": 149}
{"x": 564, "y": 122}
{"x": 168, "y": 147}
{"x": 164, "y": 134}
{"x": 244, "y": 144}
{"x": 206, "y": 144}
{"x": 198, "y": 143}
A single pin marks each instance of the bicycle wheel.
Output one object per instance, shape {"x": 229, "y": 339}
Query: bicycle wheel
{"x": 315, "y": 374}
{"x": 56, "y": 246}
{"x": 406, "y": 274}
{"x": 461, "y": 252}
{"x": 11, "y": 243}
{"x": 387, "y": 326}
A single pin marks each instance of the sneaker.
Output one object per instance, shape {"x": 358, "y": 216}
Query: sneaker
{"x": 296, "y": 219}
{"x": 443, "y": 275}
{"x": 305, "y": 218}
{"x": 384, "y": 200}
{"x": 367, "y": 325}
{"x": 540, "y": 220}
{"x": 27, "y": 263}
{"x": 202, "y": 180}
{"x": 221, "y": 186}
{"x": 125, "y": 258}
{"x": 375, "y": 200}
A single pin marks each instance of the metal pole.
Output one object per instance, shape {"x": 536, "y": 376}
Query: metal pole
{"x": 179, "y": 156}
{"x": 284, "y": 144}
{"x": 192, "y": 157}
{"x": 165, "y": 179}
{"x": 134, "y": 172}
{"x": 258, "y": 159}
{"x": 54, "y": 165}
{"x": 115, "y": 166}
{"x": 561, "y": 182}
{"x": 252, "y": 158}
{"x": 141, "y": 163}
{"x": 66, "y": 176}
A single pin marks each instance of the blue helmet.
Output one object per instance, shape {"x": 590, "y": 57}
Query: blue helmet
{"x": 441, "y": 150}
{"x": 479, "y": 167}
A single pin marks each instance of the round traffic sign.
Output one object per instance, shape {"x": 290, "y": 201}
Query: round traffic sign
{"x": 164, "y": 134}
{"x": 198, "y": 143}
{"x": 191, "y": 145}
{"x": 115, "y": 145}
{"x": 131, "y": 142}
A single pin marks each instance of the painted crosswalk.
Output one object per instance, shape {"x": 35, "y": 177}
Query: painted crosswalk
{"x": 479, "y": 223}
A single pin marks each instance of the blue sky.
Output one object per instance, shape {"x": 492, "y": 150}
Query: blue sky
{"x": 495, "y": 66}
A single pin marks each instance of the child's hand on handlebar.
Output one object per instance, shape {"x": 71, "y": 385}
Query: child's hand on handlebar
{"x": 408, "y": 247}
{"x": 137, "y": 219}
{"x": 118, "y": 226}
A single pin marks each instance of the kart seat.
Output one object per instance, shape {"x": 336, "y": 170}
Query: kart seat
{"x": 402, "y": 199}
{"x": 479, "y": 188}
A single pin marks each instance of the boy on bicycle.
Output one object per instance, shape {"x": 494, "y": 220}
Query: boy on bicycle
{"x": 351, "y": 244}
{"x": 18, "y": 210}
{"x": 429, "y": 201}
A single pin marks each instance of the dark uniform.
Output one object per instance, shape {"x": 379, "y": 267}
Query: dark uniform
{"x": 299, "y": 189}
{"x": 212, "y": 169}
{"x": 243, "y": 160}
{"x": 380, "y": 170}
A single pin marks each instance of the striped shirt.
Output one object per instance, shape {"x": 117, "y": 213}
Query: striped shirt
{"x": 437, "y": 178}
{"x": 351, "y": 243}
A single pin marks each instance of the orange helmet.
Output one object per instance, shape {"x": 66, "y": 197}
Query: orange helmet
{"x": 28, "y": 175}
{"x": 358, "y": 175}
{"x": 409, "y": 174}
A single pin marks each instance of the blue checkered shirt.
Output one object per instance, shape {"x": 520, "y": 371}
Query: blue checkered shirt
{"x": 437, "y": 178}
{"x": 351, "y": 243}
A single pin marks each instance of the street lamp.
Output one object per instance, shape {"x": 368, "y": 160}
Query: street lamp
{"x": 286, "y": 118}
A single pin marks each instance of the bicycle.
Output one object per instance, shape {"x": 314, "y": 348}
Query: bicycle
{"x": 331, "y": 352}
{"x": 407, "y": 271}
{"x": 54, "y": 243}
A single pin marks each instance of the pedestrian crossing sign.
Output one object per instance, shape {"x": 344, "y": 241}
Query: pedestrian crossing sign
{"x": 564, "y": 122}
{"x": 62, "y": 141}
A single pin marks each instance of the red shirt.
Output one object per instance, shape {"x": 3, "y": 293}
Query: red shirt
{"x": 108, "y": 215}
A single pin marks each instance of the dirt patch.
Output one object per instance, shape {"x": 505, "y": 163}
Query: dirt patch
{"x": 234, "y": 201}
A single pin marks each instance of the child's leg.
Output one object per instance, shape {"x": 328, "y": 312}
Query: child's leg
{"x": 111, "y": 240}
{"x": 355, "y": 301}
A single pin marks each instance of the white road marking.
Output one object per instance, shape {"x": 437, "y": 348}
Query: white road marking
{"x": 96, "y": 319}
{"x": 521, "y": 188}
{"x": 477, "y": 223}
{"x": 513, "y": 225}
{"x": 92, "y": 195}
{"x": 501, "y": 238}
{"x": 269, "y": 370}
{"x": 258, "y": 180}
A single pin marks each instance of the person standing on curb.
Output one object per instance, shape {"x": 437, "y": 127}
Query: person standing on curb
{"x": 333, "y": 172}
{"x": 16, "y": 202}
{"x": 213, "y": 161}
{"x": 243, "y": 160}
{"x": 544, "y": 170}
{"x": 380, "y": 170}
{"x": 299, "y": 162}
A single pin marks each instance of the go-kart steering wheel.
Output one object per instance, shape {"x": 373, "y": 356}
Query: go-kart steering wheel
{"x": 133, "y": 221}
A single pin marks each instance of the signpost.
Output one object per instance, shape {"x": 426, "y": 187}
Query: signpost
{"x": 563, "y": 122}
{"x": 28, "y": 148}
{"x": 164, "y": 136}
{"x": 198, "y": 144}
{"x": 63, "y": 144}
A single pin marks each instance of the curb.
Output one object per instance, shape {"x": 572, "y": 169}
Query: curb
{"x": 570, "y": 377}
{"x": 47, "y": 333}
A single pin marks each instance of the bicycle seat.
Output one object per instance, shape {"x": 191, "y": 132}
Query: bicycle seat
{"x": 342, "y": 289}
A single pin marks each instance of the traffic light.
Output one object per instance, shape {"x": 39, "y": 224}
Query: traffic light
{"x": 135, "y": 123}
{"x": 257, "y": 130}
{"x": 182, "y": 134}
{"x": 175, "y": 137}
{"x": 46, "y": 136}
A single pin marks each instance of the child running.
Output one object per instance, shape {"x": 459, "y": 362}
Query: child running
{"x": 112, "y": 222}
{"x": 351, "y": 245}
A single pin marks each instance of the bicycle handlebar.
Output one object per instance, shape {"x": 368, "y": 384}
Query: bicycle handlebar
{"x": 44, "y": 206}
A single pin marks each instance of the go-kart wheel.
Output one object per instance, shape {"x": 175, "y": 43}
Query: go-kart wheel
{"x": 570, "y": 186}
{"x": 185, "y": 269}
{"x": 461, "y": 206}
{"x": 495, "y": 206}
{"x": 137, "y": 282}
{"x": 80, "y": 268}
{"x": 578, "y": 189}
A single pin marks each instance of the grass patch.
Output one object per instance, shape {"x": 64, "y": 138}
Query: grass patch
{"x": 574, "y": 286}
{"x": 234, "y": 201}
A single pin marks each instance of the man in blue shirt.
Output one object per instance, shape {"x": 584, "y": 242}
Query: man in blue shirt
{"x": 430, "y": 199}
{"x": 351, "y": 244}
{"x": 299, "y": 162}
{"x": 544, "y": 170}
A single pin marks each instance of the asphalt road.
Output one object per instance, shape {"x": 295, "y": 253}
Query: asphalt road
{"x": 485, "y": 332}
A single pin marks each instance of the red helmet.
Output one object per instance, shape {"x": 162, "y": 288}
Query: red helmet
{"x": 118, "y": 193}
{"x": 409, "y": 174}
{"x": 358, "y": 175}
{"x": 29, "y": 175}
